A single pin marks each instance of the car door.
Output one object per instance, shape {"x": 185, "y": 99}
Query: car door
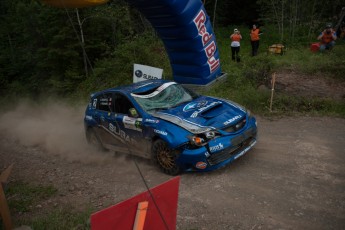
{"x": 129, "y": 128}
{"x": 104, "y": 115}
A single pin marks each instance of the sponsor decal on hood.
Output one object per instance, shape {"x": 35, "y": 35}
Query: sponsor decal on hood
{"x": 202, "y": 115}
{"x": 188, "y": 125}
{"x": 205, "y": 108}
{"x": 194, "y": 105}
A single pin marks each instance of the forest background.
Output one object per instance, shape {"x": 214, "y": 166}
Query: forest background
{"x": 66, "y": 54}
{"x": 69, "y": 53}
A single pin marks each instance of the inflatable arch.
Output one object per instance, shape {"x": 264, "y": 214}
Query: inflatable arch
{"x": 185, "y": 30}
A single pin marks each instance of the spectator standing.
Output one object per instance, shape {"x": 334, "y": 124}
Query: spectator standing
{"x": 254, "y": 39}
{"x": 235, "y": 45}
{"x": 327, "y": 38}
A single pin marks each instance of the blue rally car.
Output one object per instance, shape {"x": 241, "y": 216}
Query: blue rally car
{"x": 164, "y": 121}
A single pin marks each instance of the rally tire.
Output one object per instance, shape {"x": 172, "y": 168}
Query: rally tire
{"x": 93, "y": 140}
{"x": 165, "y": 157}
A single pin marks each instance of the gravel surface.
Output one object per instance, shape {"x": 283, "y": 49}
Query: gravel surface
{"x": 294, "y": 178}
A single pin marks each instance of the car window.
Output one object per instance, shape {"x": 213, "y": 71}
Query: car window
{"x": 122, "y": 104}
{"x": 105, "y": 102}
{"x": 166, "y": 96}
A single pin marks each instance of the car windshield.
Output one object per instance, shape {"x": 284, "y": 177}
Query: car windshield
{"x": 166, "y": 96}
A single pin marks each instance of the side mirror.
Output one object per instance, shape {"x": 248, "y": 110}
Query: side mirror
{"x": 133, "y": 112}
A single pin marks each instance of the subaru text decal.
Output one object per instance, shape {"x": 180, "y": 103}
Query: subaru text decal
{"x": 120, "y": 133}
{"x": 232, "y": 120}
{"x": 138, "y": 73}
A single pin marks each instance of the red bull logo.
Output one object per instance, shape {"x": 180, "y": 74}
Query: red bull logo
{"x": 209, "y": 47}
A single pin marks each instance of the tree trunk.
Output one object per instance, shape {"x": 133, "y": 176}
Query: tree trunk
{"x": 82, "y": 43}
{"x": 214, "y": 13}
{"x": 282, "y": 22}
{"x": 276, "y": 15}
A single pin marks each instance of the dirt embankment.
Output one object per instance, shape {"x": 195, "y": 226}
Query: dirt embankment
{"x": 310, "y": 86}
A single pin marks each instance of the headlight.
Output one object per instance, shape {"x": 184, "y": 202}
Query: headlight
{"x": 202, "y": 138}
{"x": 198, "y": 141}
{"x": 210, "y": 134}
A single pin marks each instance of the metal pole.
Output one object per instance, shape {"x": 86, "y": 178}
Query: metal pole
{"x": 272, "y": 92}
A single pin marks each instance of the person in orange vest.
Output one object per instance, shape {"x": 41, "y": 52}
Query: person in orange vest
{"x": 235, "y": 45}
{"x": 327, "y": 38}
{"x": 254, "y": 39}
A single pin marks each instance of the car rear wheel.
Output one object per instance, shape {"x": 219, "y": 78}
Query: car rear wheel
{"x": 93, "y": 139}
{"x": 165, "y": 157}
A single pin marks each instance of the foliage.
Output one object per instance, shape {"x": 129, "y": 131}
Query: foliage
{"x": 297, "y": 18}
{"x": 231, "y": 12}
{"x": 41, "y": 48}
{"x": 247, "y": 78}
{"x": 118, "y": 68}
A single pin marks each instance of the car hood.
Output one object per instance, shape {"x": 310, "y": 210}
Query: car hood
{"x": 203, "y": 114}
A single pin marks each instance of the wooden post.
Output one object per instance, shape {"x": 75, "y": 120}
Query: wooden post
{"x": 141, "y": 215}
{"x": 272, "y": 92}
{"x": 4, "y": 210}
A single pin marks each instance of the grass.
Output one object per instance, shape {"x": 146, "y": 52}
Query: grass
{"x": 64, "y": 218}
{"x": 23, "y": 199}
{"x": 23, "y": 196}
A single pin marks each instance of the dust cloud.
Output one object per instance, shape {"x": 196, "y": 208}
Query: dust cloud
{"x": 54, "y": 127}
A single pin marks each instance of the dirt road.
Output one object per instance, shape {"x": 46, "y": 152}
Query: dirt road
{"x": 294, "y": 178}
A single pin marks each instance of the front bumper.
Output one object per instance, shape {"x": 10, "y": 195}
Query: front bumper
{"x": 219, "y": 152}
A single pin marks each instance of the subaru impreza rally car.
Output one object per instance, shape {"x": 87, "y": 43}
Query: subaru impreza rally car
{"x": 177, "y": 128}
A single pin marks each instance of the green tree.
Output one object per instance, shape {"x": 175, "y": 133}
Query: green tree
{"x": 298, "y": 18}
{"x": 46, "y": 49}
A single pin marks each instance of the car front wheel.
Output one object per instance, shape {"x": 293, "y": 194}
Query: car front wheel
{"x": 165, "y": 157}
